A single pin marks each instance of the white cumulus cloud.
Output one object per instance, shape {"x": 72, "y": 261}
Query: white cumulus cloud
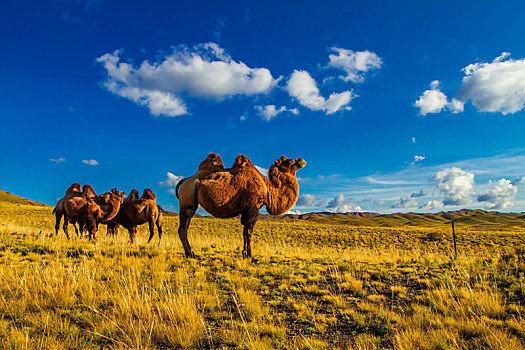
{"x": 435, "y": 101}
{"x": 306, "y": 200}
{"x": 270, "y": 111}
{"x": 340, "y": 204}
{"x": 90, "y": 162}
{"x": 497, "y": 86}
{"x": 432, "y": 205}
{"x": 203, "y": 71}
{"x": 171, "y": 181}
{"x": 303, "y": 87}
{"x": 405, "y": 202}
{"x": 500, "y": 196}
{"x": 354, "y": 63}
{"x": 455, "y": 185}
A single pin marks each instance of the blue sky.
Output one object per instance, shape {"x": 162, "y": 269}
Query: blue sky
{"x": 396, "y": 106}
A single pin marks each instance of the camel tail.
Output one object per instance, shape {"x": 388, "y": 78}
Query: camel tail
{"x": 54, "y": 210}
{"x": 178, "y": 185}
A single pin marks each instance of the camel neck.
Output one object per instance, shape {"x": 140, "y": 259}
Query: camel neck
{"x": 110, "y": 210}
{"x": 283, "y": 191}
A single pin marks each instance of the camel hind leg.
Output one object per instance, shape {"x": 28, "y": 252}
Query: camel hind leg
{"x": 58, "y": 218}
{"x": 159, "y": 226}
{"x": 151, "y": 225}
{"x": 64, "y": 226}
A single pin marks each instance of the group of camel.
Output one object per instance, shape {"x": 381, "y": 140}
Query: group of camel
{"x": 223, "y": 192}
{"x": 112, "y": 208}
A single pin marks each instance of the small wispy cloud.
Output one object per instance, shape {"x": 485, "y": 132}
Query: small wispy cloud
{"x": 92, "y": 162}
{"x": 57, "y": 160}
{"x": 417, "y": 159}
{"x": 354, "y": 63}
{"x": 270, "y": 111}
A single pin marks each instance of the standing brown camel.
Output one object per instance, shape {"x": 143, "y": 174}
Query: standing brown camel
{"x": 59, "y": 210}
{"x": 137, "y": 211}
{"x": 241, "y": 190}
{"x": 90, "y": 211}
{"x": 113, "y": 224}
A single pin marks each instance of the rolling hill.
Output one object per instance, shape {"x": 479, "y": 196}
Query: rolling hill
{"x": 476, "y": 218}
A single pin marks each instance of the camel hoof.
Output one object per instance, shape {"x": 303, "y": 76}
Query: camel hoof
{"x": 255, "y": 261}
{"x": 191, "y": 255}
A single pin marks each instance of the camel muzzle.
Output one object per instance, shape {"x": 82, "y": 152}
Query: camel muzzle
{"x": 301, "y": 163}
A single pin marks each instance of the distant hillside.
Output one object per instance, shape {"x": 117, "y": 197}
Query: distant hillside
{"x": 14, "y": 199}
{"x": 475, "y": 218}
{"x": 469, "y": 217}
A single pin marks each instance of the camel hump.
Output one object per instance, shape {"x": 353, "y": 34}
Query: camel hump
{"x": 212, "y": 163}
{"x": 73, "y": 188}
{"x": 148, "y": 194}
{"x": 133, "y": 195}
{"x": 242, "y": 161}
{"x": 88, "y": 191}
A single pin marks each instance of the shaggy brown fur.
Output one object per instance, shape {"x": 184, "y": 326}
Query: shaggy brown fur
{"x": 112, "y": 225}
{"x": 212, "y": 163}
{"x": 91, "y": 211}
{"x": 138, "y": 211}
{"x": 59, "y": 211}
{"x": 241, "y": 190}
{"x": 88, "y": 192}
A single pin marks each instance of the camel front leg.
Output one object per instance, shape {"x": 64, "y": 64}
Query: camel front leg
{"x": 132, "y": 230}
{"x": 75, "y": 226}
{"x": 92, "y": 227}
{"x": 64, "y": 226}
{"x": 248, "y": 219}
{"x": 185, "y": 216}
{"x": 58, "y": 218}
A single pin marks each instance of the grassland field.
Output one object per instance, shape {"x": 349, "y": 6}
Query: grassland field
{"x": 316, "y": 286}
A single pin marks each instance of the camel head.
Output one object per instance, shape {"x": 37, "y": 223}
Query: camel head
{"x": 286, "y": 165}
{"x": 118, "y": 194}
{"x": 148, "y": 194}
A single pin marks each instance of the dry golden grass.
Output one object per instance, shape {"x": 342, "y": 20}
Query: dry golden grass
{"x": 316, "y": 286}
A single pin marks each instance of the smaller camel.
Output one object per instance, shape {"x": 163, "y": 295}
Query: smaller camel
{"x": 112, "y": 225}
{"x": 240, "y": 190}
{"x": 59, "y": 210}
{"x": 136, "y": 211}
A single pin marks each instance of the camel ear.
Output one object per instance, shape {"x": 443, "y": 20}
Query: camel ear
{"x": 283, "y": 158}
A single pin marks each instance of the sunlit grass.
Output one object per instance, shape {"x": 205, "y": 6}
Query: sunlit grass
{"x": 316, "y": 286}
